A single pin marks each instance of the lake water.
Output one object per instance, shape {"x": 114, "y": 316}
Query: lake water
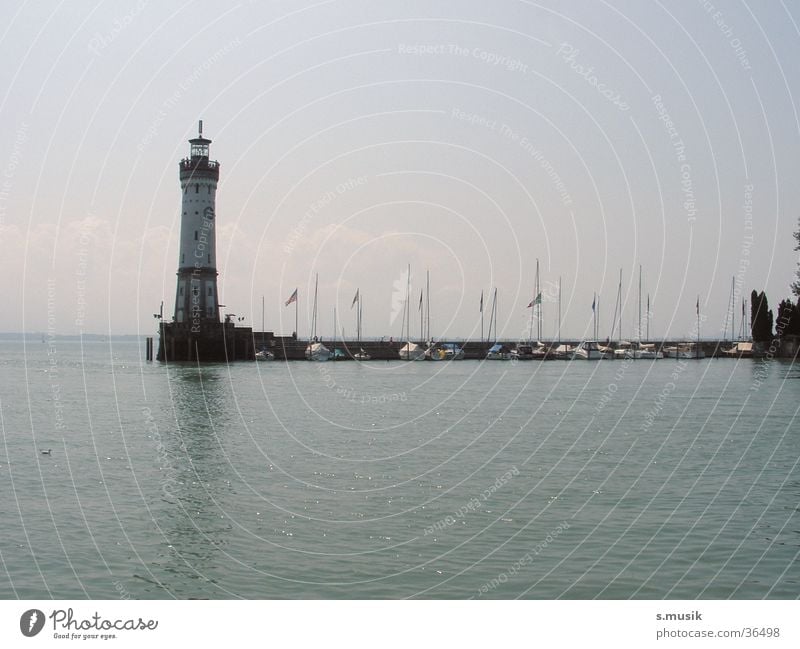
{"x": 609, "y": 479}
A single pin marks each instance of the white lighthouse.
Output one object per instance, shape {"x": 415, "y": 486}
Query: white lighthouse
{"x": 196, "y": 297}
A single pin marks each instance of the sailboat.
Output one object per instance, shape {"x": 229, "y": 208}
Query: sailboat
{"x": 316, "y": 351}
{"x": 688, "y": 349}
{"x": 498, "y": 351}
{"x": 361, "y": 355}
{"x": 740, "y": 348}
{"x": 530, "y": 350}
{"x": 639, "y": 350}
{"x": 437, "y": 351}
{"x": 410, "y": 351}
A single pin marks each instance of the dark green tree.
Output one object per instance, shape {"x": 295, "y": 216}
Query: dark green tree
{"x": 761, "y": 317}
{"x": 788, "y": 323}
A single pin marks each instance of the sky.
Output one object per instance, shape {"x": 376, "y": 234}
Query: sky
{"x": 465, "y": 139}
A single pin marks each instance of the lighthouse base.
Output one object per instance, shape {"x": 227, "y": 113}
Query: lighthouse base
{"x": 213, "y": 342}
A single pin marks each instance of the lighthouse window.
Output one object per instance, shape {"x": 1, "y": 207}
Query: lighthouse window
{"x": 181, "y": 292}
{"x": 210, "y": 292}
{"x": 181, "y": 258}
{"x": 195, "y": 235}
{"x": 209, "y": 189}
{"x": 197, "y": 188}
{"x": 209, "y": 259}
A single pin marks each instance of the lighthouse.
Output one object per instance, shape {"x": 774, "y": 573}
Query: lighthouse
{"x": 196, "y": 296}
{"x": 196, "y": 332}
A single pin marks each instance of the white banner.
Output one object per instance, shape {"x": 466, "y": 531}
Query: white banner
{"x": 388, "y": 624}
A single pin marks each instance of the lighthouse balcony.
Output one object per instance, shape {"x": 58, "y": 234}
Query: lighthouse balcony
{"x": 199, "y": 168}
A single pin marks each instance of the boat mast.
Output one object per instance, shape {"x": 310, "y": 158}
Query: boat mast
{"x": 492, "y": 317}
{"x": 639, "y": 332}
{"x": 619, "y": 301}
{"x": 428, "y": 304}
{"x": 597, "y": 317}
{"x": 533, "y": 302}
{"x": 538, "y": 297}
{"x": 421, "y": 316}
{"x": 559, "y": 310}
{"x": 697, "y": 350}
{"x": 408, "y": 310}
{"x": 648, "y": 317}
{"x": 733, "y": 307}
{"x": 482, "y": 317}
{"x": 314, "y": 313}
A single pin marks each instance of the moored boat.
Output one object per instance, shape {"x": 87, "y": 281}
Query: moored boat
{"x": 588, "y": 350}
{"x": 444, "y": 352}
{"x": 741, "y": 349}
{"x": 411, "y": 352}
{"x": 317, "y": 352}
{"x": 684, "y": 350}
{"x": 498, "y": 352}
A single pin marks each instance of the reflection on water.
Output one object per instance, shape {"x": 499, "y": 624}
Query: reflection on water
{"x": 193, "y": 518}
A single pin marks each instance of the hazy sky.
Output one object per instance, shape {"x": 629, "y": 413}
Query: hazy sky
{"x": 466, "y": 138}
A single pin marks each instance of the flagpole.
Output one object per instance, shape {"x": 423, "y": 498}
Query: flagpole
{"x": 296, "y": 304}
{"x": 262, "y": 320}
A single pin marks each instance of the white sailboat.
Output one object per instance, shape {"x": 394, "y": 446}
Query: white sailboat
{"x": 498, "y": 351}
{"x": 316, "y": 351}
{"x": 410, "y": 351}
{"x": 360, "y": 355}
{"x": 638, "y": 350}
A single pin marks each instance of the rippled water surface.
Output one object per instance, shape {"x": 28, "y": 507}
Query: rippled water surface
{"x": 548, "y": 480}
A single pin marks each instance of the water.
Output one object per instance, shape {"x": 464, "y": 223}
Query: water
{"x": 549, "y": 480}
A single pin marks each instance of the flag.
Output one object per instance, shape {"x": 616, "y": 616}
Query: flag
{"x": 481, "y": 309}
{"x": 536, "y": 300}
{"x": 420, "y": 300}
{"x": 594, "y": 300}
{"x": 355, "y": 299}
{"x": 292, "y": 298}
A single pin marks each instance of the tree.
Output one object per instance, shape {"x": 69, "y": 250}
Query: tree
{"x": 761, "y": 317}
{"x": 796, "y": 284}
{"x": 788, "y": 319}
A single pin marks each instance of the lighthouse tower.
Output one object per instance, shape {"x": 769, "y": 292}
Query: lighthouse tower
{"x": 196, "y": 296}
{"x": 196, "y": 333}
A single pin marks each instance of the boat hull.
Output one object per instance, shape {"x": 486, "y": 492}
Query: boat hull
{"x": 317, "y": 353}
